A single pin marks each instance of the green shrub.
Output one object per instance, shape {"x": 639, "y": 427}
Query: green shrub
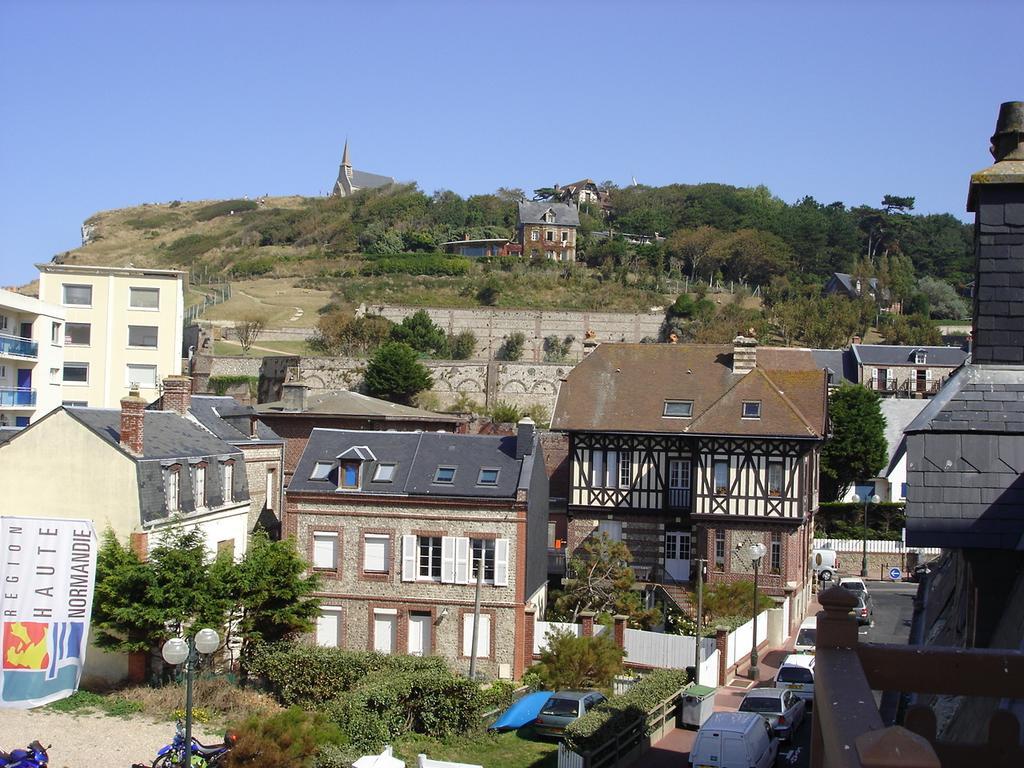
{"x": 253, "y": 266}
{"x": 221, "y": 384}
{"x": 188, "y": 248}
{"x": 505, "y": 413}
{"x": 462, "y": 345}
{"x": 415, "y": 264}
{"x": 224, "y": 208}
{"x": 499, "y": 695}
{"x": 512, "y": 348}
{"x": 290, "y": 738}
{"x": 606, "y": 720}
{"x": 569, "y": 662}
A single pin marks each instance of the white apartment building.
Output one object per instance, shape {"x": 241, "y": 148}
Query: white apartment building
{"x": 31, "y": 358}
{"x": 123, "y": 328}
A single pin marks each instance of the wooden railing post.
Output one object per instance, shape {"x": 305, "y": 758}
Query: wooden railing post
{"x": 895, "y": 747}
{"x": 836, "y": 627}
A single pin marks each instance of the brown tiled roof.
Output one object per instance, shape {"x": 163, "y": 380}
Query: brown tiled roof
{"x": 623, "y": 388}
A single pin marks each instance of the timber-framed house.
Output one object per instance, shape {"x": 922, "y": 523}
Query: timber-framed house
{"x": 686, "y": 451}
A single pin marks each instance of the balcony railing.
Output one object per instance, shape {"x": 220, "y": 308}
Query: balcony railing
{"x": 556, "y": 562}
{"x": 16, "y": 346}
{"x": 17, "y": 398}
{"x": 678, "y": 498}
{"x": 885, "y": 387}
{"x": 847, "y": 729}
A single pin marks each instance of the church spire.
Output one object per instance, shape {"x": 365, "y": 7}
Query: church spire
{"x": 344, "y": 155}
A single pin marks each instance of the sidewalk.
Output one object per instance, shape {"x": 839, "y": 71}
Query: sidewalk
{"x": 673, "y": 751}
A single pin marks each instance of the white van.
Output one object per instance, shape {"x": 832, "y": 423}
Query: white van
{"x": 826, "y": 564}
{"x": 734, "y": 740}
{"x": 806, "y": 635}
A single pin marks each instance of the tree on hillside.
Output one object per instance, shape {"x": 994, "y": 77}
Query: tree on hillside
{"x": 421, "y": 333}
{"x": 248, "y": 329}
{"x": 394, "y": 373}
{"x": 339, "y": 333}
{"x": 943, "y": 301}
{"x": 752, "y": 255}
{"x": 909, "y": 329}
{"x": 599, "y": 578}
{"x": 691, "y": 250}
{"x": 856, "y": 449}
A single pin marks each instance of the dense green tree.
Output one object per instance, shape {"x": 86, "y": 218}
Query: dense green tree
{"x": 856, "y": 448}
{"x": 339, "y": 333}
{"x": 575, "y": 663}
{"x": 909, "y": 329}
{"x": 462, "y": 345}
{"x": 943, "y": 301}
{"x": 727, "y": 600}
{"x": 691, "y": 250}
{"x": 751, "y": 255}
{"x": 421, "y": 333}
{"x": 124, "y": 618}
{"x": 394, "y": 373}
{"x": 512, "y": 347}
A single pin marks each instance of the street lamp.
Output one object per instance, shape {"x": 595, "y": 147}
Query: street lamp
{"x": 177, "y": 651}
{"x": 756, "y": 553}
{"x": 864, "y": 555}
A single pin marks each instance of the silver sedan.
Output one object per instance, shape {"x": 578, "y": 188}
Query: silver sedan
{"x": 779, "y": 706}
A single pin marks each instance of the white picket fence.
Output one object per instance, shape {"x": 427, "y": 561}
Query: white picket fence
{"x": 541, "y": 629}
{"x": 875, "y": 546}
{"x": 655, "y": 649}
{"x": 740, "y": 640}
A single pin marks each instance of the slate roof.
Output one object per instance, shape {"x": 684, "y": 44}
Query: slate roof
{"x": 623, "y": 388}
{"x": 165, "y": 434}
{"x": 976, "y": 398}
{"x": 533, "y": 213}
{"x": 840, "y": 363}
{"x": 887, "y": 354}
{"x": 416, "y": 456}
{"x": 229, "y": 420}
{"x": 898, "y": 414}
{"x": 364, "y": 180}
{"x": 847, "y": 282}
{"x": 345, "y": 403}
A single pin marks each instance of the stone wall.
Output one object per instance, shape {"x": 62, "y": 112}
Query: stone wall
{"x": 493, "y": 326}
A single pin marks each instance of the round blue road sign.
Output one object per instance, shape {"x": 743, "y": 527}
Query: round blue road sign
{"x": 895, "y": 574}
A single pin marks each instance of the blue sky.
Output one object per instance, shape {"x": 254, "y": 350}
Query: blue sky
{"x": 112, "y": 104}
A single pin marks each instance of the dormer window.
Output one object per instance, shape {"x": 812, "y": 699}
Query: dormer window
{"x": 321, "y": 470}
{"x": 229, "y": 481}
{"x": 385, "y": 473}
{"x": 172, "y": 488}
{"x": 920, "y": 356}
{"x": 678, "y": 409}
{"x": 751, "y": 409}
{"x": 445, "y": 475}
{"x": 200, "y": 485}
{"x": 348, "y": 474}
{"x": 488, "y": 476}
{"x": 549, "y": 217}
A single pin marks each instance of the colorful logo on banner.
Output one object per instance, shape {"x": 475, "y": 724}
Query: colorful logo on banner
{"x": 48, "y": 572}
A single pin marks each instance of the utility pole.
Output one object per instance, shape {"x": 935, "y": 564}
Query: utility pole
{"x": 700, "y": 616}
{"x": 476, "y": 614}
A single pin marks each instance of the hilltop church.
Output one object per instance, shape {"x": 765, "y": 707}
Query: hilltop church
{"x": 351, "y": 181}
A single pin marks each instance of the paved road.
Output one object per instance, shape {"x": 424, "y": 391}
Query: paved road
{"x": 894, "y": 607}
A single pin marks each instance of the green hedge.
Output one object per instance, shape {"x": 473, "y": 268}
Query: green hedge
{"x": 224, "y": 208}
{"x": 436, "y": 264}
{"x": 221, "y": 384}
{"x": 605, "y": 721}
{"x": 846, "y": 520}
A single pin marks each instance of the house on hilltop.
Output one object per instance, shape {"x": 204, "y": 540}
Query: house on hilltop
{"x": 351, "y": 181}
{"x": 687, "y": 451}
{"x": 855, "y": 287}
{"x": 548, "y": 230}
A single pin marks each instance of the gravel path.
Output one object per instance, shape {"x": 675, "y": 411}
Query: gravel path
{"x": 91, "y": 740}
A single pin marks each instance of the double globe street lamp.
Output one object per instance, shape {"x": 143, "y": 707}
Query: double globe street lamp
{"x": 856, "y": 499}
{"x": 177, "y": 651}
{"x": 756, "y": 553}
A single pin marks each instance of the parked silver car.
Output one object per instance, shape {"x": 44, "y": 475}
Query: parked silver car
{"x": 783, "y": 710}
{"x": 563, "y": 708}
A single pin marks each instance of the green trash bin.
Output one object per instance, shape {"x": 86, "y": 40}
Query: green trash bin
{"x": 698, "y": 704}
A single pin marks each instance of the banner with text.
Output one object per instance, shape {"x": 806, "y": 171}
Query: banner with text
{"x": 47, "y": 575}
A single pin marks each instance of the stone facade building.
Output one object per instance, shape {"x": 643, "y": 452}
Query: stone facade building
{"x": 548, "y": 230}
{"x": 396, "y": 524}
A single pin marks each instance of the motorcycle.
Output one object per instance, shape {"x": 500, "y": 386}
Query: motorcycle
{"x": 34, "y": 756}
{"x": 203, "y": 755}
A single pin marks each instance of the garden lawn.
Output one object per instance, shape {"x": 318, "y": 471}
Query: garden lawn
{"x": 514, "y": 749}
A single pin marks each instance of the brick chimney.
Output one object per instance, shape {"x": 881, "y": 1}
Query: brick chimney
{"x": 996, "y": 197}
{"x": 744, "y": 354}
{"x": 525, "y": 430}
{"x": 133, "y": 409}
{"x": 177, "y": 394}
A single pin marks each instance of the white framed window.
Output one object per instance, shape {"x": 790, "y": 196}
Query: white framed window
{"x": 774, "y": 478}
{"x": 328, "y": 627}
{"x": 610, "y": 469}
{"x": 385, "y": 629}
{"x": 229, "y": 482}
{"x": 200, "y": 486}
{"x": 534, "y": 235}
{"x": 429, "y": 558}
{"x": 775, "y": 559}
{"x": 144, "y": 298}
{"x": 76, "y": 373}
{"x": 483, "y": 638}
{"x": 321, "y": 470}
{"x": 141, "y": 376}
{"x": 376, "y": 552}
{"x": 678, "y": 409}
{"x": 444, "y": 475}
{"x": 78, "y": 334}
{"x": 172, "y": 489}
{"x": 920, "y": 356}
{"x": 325, "y": 550}
{"x": 625, "y": 469}
{"x": 488, "y": 476}
{"x": 565, "y": 236}
{"x": 77, "y": 295}
{"x": 143, "y": 336}
{"x": 483, "y": 551}
{"x": 55, "y": 333}
{"x": 384, "y": 473}
{"x": 719, "y": 549}
{"x": 4, "y": 323}
{"x": 349, "y": 473}
{"x": 751, "y": 409}
{"x": 721, "y": 470}
{"x": 447, "y": 559}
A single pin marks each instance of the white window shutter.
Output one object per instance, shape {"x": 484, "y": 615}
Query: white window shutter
{"x": 408, "y": 558}
{"x": 501, "y": 563}
{"x": 483, "y": 638}
{"x": 928, "y": 374}
{"x": 462, "y": 560}
{"x": 448, "y": 559}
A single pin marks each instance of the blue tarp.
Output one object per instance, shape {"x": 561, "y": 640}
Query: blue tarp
{"x": 522, "y": 712}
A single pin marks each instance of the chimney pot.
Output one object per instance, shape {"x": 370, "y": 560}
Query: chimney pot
{"x": 133, "y": 411}
{"x": 744, "y": 354}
